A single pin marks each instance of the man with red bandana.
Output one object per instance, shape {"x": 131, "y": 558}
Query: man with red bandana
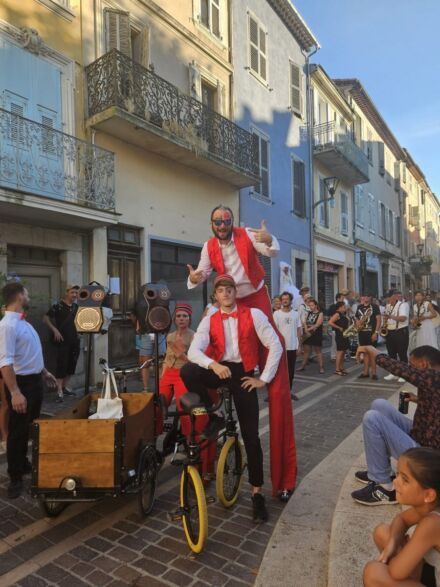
{"x": 235, "y": 251}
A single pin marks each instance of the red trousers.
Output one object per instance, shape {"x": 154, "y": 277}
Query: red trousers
{"x": 171, "y": 384}
{"x": 283, "y": 468}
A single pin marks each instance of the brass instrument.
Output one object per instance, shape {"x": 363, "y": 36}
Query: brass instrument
{"x": 384, "y": 329}
{"x": 356, "y": 326}
{"x": 416, "y": 322}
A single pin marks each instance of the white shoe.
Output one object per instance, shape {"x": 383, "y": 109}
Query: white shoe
{"x": 390, "y": 377}
{"x": 401, "y": 380}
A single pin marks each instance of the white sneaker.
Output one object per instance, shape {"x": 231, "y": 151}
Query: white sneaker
{"x": 390, "y": 377}
{"x": 401, "y": 380}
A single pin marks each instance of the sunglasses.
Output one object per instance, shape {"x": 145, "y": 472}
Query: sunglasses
{"x": 220, "y": 221}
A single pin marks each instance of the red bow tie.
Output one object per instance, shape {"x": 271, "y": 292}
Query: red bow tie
{"x": 225, "y": 316}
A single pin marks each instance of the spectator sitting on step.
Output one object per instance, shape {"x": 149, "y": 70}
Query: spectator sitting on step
{"x": 409, "y": 547}
{"x": 388, "y": 433}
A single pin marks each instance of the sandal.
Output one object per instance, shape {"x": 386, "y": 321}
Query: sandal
{"x": 341, "y": 373}
{"x": 321, "y": 371}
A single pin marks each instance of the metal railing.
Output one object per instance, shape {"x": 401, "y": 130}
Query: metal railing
{"x": 329, "y": 135}
{"x": 116, "y": 80}
{"x": 37, "y": 159}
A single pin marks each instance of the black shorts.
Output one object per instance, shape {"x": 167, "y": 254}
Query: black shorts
{"x": 342, "y": 343}
{"x": 67, "y": 357}
{"x": 365, "y": 338}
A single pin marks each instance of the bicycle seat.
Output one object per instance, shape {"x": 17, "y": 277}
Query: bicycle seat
{"x": 189, "y": 401}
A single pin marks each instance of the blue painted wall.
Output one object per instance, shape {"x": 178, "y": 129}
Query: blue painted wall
{"x": 265, "y": 106}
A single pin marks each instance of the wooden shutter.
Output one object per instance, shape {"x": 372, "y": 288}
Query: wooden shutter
{"x": 299, "y": 200}
{"x": 204, "y": 12}
{"x": 195, "y": 81}
{"x": 17, "y": 126}
{"x": 359, "y": 205}
{"x": 215, "y": 17}
{"x": 295, "y": 88}
{"x": 264, "y": 167}
{"x": 257, "y": 48}
{"x": 344, "y": 214}
{"x": 117, "y": 30}
{"x": 381, "y": 149}
{"x": 141, "y": 46}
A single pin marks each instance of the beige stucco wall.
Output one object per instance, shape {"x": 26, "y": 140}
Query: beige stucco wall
{"x": 170, "y": 201}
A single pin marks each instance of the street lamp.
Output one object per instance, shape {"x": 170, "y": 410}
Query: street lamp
{"x": 420, "y": 248}
{"x": 331, "y": 184}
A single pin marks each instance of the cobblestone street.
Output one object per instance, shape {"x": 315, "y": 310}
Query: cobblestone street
{"x": 107, "y": 543}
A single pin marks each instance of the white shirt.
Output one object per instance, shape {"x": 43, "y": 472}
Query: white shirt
{"x": 233, "y": 264}
{"x": 297, "y": 303}
{"x": 20, "y": 345}
{"x": 288, "y": 324}
{"x": 399, "y": 309}
{"x": 267, "y": 335}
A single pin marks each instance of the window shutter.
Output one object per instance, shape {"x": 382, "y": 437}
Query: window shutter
{"x": 204, "y": 12}
{"x": 359, "y": 204}
{"x": 344, "y": 214}
{"x": 253, "y": 38}
{"x": 295, "y": 88}
{"x": 48, "y": 137}
{"x": 264, "y": 167}
{"x": 267, "y": 266}
{"x": 17, "y": 127}
{"x": 215, "y": 17}
{"x": 144, "y": 47}
{"x": 117, "y": 29}
{"x": 381, "y": 149}
{"x": 299, "y": 201}
{"x": 221, "y": 94}
{"x": 195, "y": 81}
{"x": 263, "y": 72}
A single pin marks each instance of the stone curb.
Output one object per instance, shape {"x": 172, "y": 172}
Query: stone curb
{"x": 297, "y": 554}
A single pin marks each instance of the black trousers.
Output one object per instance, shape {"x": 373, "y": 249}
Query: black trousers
{"x": 291, "y": 362}
{"x": 199, "y": 380}
{"x": 31, "y": 386}
{"x": 397, "y": 344}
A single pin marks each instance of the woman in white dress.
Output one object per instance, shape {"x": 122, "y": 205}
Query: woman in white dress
{"x": 422, "y": 321}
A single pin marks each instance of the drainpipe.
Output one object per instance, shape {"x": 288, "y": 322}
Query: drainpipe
{"x": 309, "y": 110}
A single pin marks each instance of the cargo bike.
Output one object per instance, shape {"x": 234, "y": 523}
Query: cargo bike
{"x": 75, "y": 459}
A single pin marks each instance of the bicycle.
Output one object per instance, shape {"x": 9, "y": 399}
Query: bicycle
{"x": 192, "y": 510}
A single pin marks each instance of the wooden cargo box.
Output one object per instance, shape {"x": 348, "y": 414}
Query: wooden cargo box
{"x": 98, "y": 452}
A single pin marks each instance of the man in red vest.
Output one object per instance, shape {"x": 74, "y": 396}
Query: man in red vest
{"x": 235, "y": 251}
{"x": 225, "y": 349}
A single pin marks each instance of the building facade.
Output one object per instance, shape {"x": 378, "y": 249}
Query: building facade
{"x": 270, "y": 44}
{"x": 56, "y": 188}
{"x": 158, "y": 86}
{"x": 378, "y": 204}
{"x": 338, "y": 165}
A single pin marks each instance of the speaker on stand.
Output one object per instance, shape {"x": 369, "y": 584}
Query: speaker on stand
{"x": 154, "y": 317}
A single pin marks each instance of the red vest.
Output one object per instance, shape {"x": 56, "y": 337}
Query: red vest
{"x": 248, "y": 256}
{"x": 248, "y": 340}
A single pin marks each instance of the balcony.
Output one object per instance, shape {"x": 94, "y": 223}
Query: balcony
{"x": 134, "y": 104}
{"x": 47, "y": 175}
{"x": 421, "y": 266}
{"x": 335, "y": 149}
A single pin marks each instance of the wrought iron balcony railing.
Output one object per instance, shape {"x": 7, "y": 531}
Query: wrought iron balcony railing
{"x": 115, "y": 80}
{"x": 330, "y": 135}
{"x": 37, "y": 159}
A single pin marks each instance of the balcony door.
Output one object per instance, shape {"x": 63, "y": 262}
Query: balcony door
{"x": 31, "y": 154}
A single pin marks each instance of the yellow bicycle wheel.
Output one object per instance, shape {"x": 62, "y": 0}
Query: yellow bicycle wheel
{"x": 194, "y": 511}
{"x": 230, "y": 466}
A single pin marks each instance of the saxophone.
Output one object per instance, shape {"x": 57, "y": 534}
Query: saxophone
{"x": 354, "y": 327}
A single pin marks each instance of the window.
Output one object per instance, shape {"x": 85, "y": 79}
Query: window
{"x": 48, "y": 138}
{"x": 267, "y": 266}
{"x": 382, "y": 220}
{"x": 372, "y": 214}
{"x": 262, "y": 188}
{"x": 390, "y": 232}
{"x": 359, "y": 205}
{"x": 257, "y": 49}
{"x": 344, "y": 214}
{"x": 299, "y": 192}
{"x": 209, "y": 95}
{"x": 323, "y": 211}
{"x": 295, "y": 89}
{"x": 210, "y": 16}
{"x": 381, "y": 148}
{"x": 299, "y": 272}
{"x": 140, "y": 44}
{"x": 370, "y": 146}
{"x": 398, "y": 226}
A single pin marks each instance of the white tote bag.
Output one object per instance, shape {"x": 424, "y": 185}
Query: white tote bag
{"x": 108, "y": 407}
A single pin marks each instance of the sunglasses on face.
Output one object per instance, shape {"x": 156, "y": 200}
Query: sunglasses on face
{"x": 220, "y": 221}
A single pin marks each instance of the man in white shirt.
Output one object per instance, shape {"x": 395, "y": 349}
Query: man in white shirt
{"x": 22, "y": 368}
{"x": 225, "y": 350}
{"x": 396, "y": 318}
{"x": 288, "y": 323}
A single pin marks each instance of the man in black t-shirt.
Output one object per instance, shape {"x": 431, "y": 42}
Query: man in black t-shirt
{"x": 370, "y": 332}
{"x": 61, "y": 321}
{"x": 330, "y": 311}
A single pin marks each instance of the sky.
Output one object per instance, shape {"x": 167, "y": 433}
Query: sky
{"x": 393, "y": 48}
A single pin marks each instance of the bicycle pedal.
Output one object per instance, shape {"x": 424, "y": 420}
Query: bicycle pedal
{"x": 175, "y": 516}
{"x": 210, "y": 499}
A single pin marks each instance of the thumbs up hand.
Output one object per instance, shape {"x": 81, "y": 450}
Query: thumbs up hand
{"x": 262, "y": 235}
{"x": 195, "y": 276}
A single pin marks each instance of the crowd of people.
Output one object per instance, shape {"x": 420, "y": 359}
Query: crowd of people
{"x": 248, "y": 343}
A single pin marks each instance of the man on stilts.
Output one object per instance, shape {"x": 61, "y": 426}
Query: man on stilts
{"x": 235, "y": 251}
